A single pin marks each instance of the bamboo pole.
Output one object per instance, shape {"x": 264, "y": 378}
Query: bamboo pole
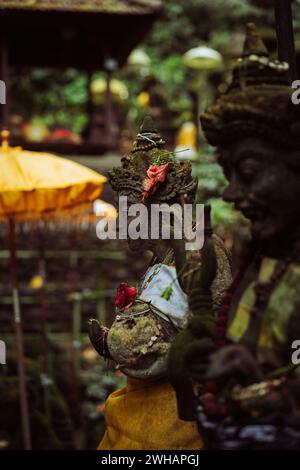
{"x": 19, "y": 340}
{"x": 43, "y": 304}
{"x": 65, "y": 254}
{"x": 76, "y": 341}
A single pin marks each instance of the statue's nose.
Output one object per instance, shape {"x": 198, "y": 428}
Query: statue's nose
{"x": 233, "y": 193}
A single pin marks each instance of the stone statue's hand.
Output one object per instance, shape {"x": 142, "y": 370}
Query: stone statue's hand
{"x": 284, "y": 399}
{"x": 200, "y": 297}
{"x": 195, "y": 277}
{"x": 98, "y": 337}
{"x": 234, "y": 363}
{"x": 207, "y": 269}
{"x": 178, "y": 247}
{"x": 275, "y": 401}
{"x": 197, "y": 358}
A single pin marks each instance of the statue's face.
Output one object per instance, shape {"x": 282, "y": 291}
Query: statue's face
{"x": 262, "y": 187}
{"x": 142, "y": 222}
{"x": 141, "y": 226}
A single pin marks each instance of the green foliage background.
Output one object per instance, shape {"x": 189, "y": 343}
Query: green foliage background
{"x": 60, "y": 98}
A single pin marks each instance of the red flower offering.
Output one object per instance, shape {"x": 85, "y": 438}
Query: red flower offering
{"x": 156, "y": 174}
{"x": 125, "y": 295}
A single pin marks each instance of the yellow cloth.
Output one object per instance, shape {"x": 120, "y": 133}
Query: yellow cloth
{"x": 143, "y": 416}
{"x": 34, "y": 183}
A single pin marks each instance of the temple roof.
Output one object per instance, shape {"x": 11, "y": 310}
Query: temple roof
{"x": 74, "y": 33}
{"x": 90, "y": 6}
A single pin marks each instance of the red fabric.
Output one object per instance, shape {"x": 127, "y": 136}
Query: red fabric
{"x": 156, "y": 174}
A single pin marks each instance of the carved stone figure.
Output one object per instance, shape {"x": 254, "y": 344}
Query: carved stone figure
{"x": 150, "y": 315}
{"x": 248, "y": 389}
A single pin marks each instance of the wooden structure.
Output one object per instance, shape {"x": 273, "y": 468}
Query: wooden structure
{"x": 91, "y": 35}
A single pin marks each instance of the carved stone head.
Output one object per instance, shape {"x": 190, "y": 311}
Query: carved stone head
{"x": 256, "y": 128}
{"x": 152, "y": 175}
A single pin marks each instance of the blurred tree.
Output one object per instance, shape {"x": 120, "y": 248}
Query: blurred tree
{"x": 59, "y": 98}
{"x": 185, "y": 24}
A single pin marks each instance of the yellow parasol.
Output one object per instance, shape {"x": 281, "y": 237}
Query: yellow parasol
{"x": 32, "y": 183}
{"x": 33, "y": 186}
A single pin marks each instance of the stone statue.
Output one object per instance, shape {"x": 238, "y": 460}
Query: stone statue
{"x": 149, "y": 316}
{"x": 247, "y": 384}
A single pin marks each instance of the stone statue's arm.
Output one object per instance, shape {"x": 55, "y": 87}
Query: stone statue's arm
{"x": 195, "y": 279}
{"x": 285, "y": 397}
{"x": 252, "y": 390}
{"x": 282, "y": 398}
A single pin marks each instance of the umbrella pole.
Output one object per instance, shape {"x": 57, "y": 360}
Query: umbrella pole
{"x": 19, "y": 339}
{"x": 73, "y": 287}
{"x": 45, "y": 380}
{"x": 43, "y": 304}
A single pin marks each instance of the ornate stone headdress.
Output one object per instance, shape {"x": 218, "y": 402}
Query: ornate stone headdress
{"x": 148, "y": 149}
{"x": 257, "y": 102}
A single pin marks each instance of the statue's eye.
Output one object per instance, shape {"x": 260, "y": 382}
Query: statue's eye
{"x": 248, "y": 169}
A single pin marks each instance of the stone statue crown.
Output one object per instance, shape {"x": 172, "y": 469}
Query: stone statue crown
{"x": 149, "y": 149}
{"x": 257, "y": 102}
